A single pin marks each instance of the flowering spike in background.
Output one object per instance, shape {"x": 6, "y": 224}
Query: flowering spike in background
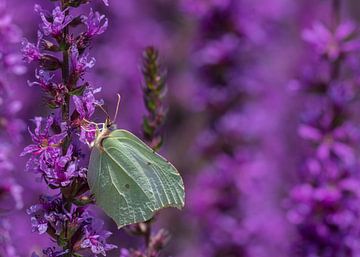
{"x": 325, "y": 206}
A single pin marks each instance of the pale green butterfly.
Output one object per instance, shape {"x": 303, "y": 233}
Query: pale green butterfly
{"x": 131, "y": 181}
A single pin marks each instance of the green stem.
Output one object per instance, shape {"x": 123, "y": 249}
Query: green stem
{"x": 65, "y": 74}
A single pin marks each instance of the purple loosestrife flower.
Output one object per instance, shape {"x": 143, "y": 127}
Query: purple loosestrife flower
{"x": 61, "y": 171}
{"x": 50, "y": 213}
{"x": 94, "y": 23}
{"x": 43, "y": 80}
{"x": 52, "y": 216}
{"x": 9, "y": 125}
{"x": 330, "y": 143}
{"x": 45, "y": 145}
{"x": 232, "y": 82}
{"x": 10, "y": 191}
{"x": 85, "y": 107}
{"x": 9, "y": 32}
{"x": 55, "y": 23}
{"x": 55, "y": 93}
{"x": 330, "y": 44}
{"x": 95, "y": 238}
{"x": 56, "y": 153}
{"x": 52, "y": 252}
{"x": 30, "y": 51}
{"x": 80, "y": 63}
{"x": 216, "y": 199}
{"x": 6, "y": 247}
{"x": 10, "y": 35}
{"x": 325, "y": 202}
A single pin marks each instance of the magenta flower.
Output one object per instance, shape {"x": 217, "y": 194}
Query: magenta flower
{"x": 9, "y": 32}
{"x": 95, "y": 239}
{"x": 51, "y": 252}
{"x": 49, "y": 213}
{"x": 44, "y": 143}
{"x": 80, "y": 63}
{"x": 10, "y": 192}
{"x": 53, "y": 24}
{"x": 43, "y": 80}
{"x": 330, "y": 144}
{"x": 85, "y": 107}
{"x": 94, "y": 23}
{"x": 217, "y": 51}
{"x": 9, "y": 124}
{"x": 333, "y": 44}
{"x": 6, "y": 245}
{"x": 30, "y": 51}
{"x": 62, "y": 170}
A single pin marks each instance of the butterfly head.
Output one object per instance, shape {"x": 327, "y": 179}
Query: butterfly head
{"x": 109, "y": 124}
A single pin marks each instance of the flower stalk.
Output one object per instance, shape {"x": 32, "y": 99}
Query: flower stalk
{"x": 154, "y": 90}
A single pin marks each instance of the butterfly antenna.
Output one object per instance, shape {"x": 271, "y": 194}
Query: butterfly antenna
{"x": 102, "y": 108}
{"x": 117, "y": 107}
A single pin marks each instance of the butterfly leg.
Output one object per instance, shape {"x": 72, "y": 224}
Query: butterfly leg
{"x": 94, "y": 123}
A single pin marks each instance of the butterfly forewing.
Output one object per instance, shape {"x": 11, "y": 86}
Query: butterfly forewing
{"x": 130, "y": 181}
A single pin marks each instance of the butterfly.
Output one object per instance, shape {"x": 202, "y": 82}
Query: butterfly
{"x": 130, "y": 181}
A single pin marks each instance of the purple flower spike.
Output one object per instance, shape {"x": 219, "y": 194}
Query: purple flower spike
{"x": 94, "y": 23}
{"x": 325, "y": 201}
{"x": 56, "y": 153}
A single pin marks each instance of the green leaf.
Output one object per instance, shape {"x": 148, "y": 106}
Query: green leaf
{"x": 52, "y": 105}
{"x": 79, "y": 90}
{"x": 130, "y": 181}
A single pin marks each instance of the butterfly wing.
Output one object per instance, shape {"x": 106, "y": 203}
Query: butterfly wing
{"x": 130, "y": 181}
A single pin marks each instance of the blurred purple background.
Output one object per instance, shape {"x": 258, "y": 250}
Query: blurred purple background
{"x": 263, "y": 121}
